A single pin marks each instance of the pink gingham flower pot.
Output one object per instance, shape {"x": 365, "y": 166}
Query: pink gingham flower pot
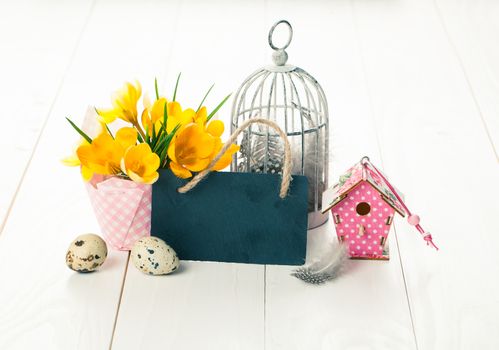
{"x": 122, "y": 208}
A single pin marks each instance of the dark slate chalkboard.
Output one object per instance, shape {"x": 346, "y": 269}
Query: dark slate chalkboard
{"x": 232, "y": 217}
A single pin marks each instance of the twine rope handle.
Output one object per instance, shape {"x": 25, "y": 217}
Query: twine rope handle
{"x": 286, "y": 170}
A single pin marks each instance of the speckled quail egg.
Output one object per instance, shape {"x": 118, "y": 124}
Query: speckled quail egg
{"x": 86, "y": 253}
{"x": 153, "y": 256}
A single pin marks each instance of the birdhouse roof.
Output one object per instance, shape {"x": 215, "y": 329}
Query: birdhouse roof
{"x": 351, "y": 178}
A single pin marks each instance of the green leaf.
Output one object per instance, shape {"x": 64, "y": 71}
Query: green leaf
{"x": 176, "y": 86}
{"x": 156, "y": 88}
{"x": 165, "y": 114}
{"x": 158, "y": 137}
{"x": 141, "y": 140}
{"x": 165, "y": 120}
{"x": 218, "y": 107}
{"x": 109, "y": 131}
{"x": 85, "y": 136}
{"x": 151, "y": 140}
{"x": 162, "y": 156}
{"x": 148, "y": 139}
{"x": 204, "y": 98}
{"x": 168, "y": 139}
{"x": 158, "y": 147}
{"x": 175, "y": 129}
{"x": 165, "y": 141}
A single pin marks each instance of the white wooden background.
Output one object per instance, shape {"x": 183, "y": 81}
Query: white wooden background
{"x": 412, "y": 83}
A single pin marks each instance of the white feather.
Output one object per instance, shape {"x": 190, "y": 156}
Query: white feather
{"x": 327, "y": 267}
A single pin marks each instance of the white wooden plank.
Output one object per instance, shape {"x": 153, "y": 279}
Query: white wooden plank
{"x": 205, "y": 305}
{"x": 37, "y": 41}
{"x": 436, "y": 151}
{"x": 473, "y": 30}
{"x": 202, "y": 306}
{"x": 367, "y": 306}
{"x": 415, "y": 87}
{"x": 42, "y": 303}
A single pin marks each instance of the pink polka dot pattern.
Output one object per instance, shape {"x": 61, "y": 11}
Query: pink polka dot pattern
{"x": 363, "y": 220}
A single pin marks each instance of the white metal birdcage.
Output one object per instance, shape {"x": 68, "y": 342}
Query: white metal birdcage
{"x": 293, "y": 99}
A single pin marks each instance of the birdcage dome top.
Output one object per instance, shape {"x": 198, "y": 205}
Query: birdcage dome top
{"x": 282, "y": 91}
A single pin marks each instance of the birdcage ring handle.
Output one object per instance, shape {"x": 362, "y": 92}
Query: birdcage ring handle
{"x": 271, "y": 33}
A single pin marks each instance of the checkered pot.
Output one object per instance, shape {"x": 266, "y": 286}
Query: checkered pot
{"x": 122, "y": 208}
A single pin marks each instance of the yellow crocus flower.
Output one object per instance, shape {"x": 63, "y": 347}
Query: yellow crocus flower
{"x": 190, "y": 151}
{"x": 153, "y": 115}
{"x": 195, "y": 146}
{"x": 226, "y": 158}
{"x": 216, "y": 129}
{"x": 177, "y": 116}
{"x": 73, "y": 160}
{"x": 141, "y": 164}
{"x": 103, "y": 156}
{"x": 124, "y": 104}
{"x": 93, "y": 128}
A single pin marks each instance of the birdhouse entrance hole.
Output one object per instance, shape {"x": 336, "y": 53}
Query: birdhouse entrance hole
{"x": 363, "y": 208}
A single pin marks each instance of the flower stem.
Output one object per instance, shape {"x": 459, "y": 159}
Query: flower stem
{"x": 139, "y": 129}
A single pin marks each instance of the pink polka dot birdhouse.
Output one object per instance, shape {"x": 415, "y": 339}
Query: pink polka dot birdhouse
{"x": 363, "y": 205}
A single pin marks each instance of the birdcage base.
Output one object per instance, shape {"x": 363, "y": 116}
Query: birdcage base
{"x": 316, "y": 219}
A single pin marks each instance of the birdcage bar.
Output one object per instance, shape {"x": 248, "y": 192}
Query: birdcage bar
{"x": 314, "y": 123}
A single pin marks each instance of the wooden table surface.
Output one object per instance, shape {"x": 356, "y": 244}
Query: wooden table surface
{"x": 414, "y": 84}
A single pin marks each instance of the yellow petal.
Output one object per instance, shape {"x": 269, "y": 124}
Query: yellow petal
{"x": 125, "y": 101}
{"x": 126, "y": 137}
{"x": 103, "y": 156}
{"x": 158, "y": 125}
{"x": 149, "y": 180}
{"x": 134, "y": 177}
{"x": 108, "y": 152}
{"x": 158, "y": 109}
{"x": 206, "y": 145}
{"x": 188, "y": 116}
{"x": 146, "y": 101}
{"x": 215, "y": 128}
{"x": 198, "y": 165}
{"x": 180, "y": 171}
{"x": 192, "y": 143}
{"x": 146, "y": 121}
{"x": 134, "y": 91}
{"x": 171, "y": 151}
{"x": 145, "y": 180}
{"x": 201, "y": 116}
{"x": 172, "y": 123}
{"x": 140, "y": 164}
{"x": 123, "y": 165}
{"x": 86, "y": 154}
{"x": 217, "y": 148}
{"x": 226, "y": 158}
{"x": 71, "y": 161}
{"x": 151, "y": 163}
{"x": 174, "y": 109}
{"x": 107, "y": 116}
{"x": 136, "y": 154}
{"x": 86, "y": 173}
